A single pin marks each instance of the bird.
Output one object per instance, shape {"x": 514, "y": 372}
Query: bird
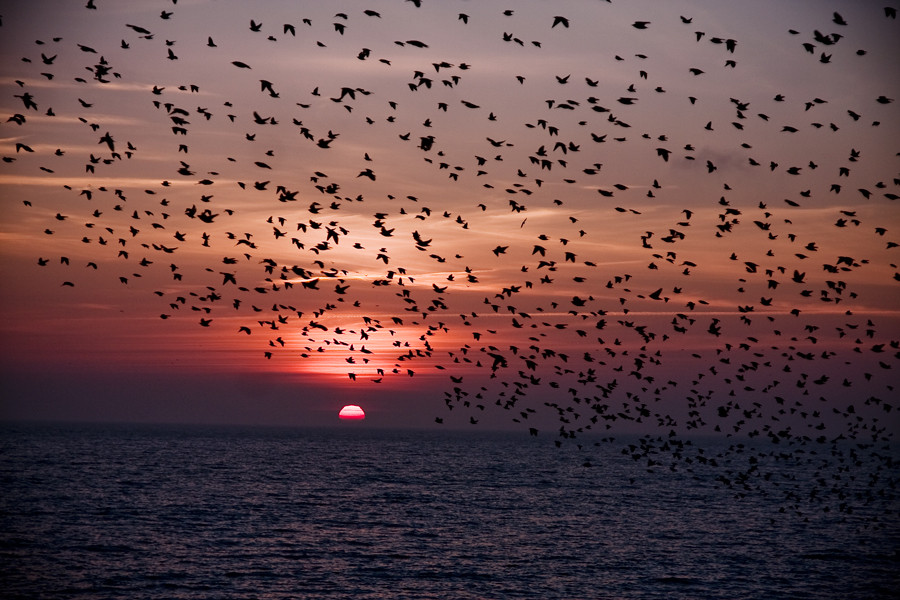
{"x": 582, "y": 253}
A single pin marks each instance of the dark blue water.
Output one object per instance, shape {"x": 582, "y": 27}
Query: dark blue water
{"x": 181, "y": 512}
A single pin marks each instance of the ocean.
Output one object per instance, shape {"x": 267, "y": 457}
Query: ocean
{"x": 139, "y": 511}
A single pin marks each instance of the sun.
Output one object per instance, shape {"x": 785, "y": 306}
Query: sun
{"x": 351, "y": 412}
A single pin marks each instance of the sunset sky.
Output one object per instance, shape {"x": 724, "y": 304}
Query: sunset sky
{"x": 643, "y": 212}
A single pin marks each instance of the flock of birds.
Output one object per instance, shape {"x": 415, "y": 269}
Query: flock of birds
{"x": 285, "y": 205}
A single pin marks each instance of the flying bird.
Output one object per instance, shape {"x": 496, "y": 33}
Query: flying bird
{"x": 713, "y": 292}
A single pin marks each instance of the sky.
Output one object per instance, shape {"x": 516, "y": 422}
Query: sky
{"x": 570, "y": 216}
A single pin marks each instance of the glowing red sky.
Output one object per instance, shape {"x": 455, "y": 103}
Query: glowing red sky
{"x": 409, "y": 210}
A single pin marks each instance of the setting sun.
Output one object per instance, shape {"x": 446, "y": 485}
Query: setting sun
{"x": 352, "y": 412}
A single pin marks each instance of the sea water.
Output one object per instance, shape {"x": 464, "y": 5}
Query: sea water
{"x": 121, "y": 511}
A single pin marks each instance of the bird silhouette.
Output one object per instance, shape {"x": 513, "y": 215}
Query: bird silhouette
{"x": 534, "y": 253}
